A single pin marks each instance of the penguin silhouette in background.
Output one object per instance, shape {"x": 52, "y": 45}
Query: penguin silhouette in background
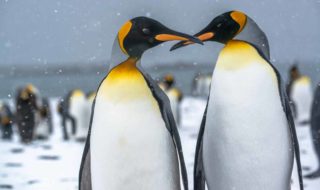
{"x": 133, "y": 142}
{"x": 47, "y": 108}
{"x": 89, "y": 102}
{"x": 68, "y": 123}
{"x": 42, "y": 130}
{"x": 78, "y": 110}
{"x": 174, "y": 94}
{"x": 315, "y": 130}
{"x": 6, "y": 121}
{"x": 300, "y": 93}
{"x": 201, "y": 85}
{"x": 72, "y": 110}
{"x": 248, "y": 118}
{"x": 26, "y": 112}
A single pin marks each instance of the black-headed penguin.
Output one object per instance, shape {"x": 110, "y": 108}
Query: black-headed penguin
{"x": 247, "y": 134}
{"x": 26, "y": 112}
{"x": 133, "y": 142}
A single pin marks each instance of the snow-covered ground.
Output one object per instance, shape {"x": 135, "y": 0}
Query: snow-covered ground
{"x": 54, "y": 164}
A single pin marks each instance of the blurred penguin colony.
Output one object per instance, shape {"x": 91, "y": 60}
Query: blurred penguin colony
{"x": 305, "y": 105}
{"x": 30, "y": 115}
{"x": 31, "y": 118}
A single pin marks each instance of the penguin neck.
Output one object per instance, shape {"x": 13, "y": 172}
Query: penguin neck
{"x": 118, "y": 56}
{"x": 125, "y": 83}
{"x": 238, "y": 54}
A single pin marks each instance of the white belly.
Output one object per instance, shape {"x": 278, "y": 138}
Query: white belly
{"x": 301, "y": 95}
{"x": 78, "y": 110}
{"x": 247, "y": 143}
{"x": 131, "y": 148}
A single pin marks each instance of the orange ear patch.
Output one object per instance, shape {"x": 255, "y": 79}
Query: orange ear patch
{"x": 123, "y": 32}
{"x": 240, "y": 18}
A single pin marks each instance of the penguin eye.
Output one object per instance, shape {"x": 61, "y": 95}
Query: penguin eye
{"x": 146, "y": 31}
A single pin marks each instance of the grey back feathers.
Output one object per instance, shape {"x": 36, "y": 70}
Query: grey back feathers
{"x": 254, "y": 35}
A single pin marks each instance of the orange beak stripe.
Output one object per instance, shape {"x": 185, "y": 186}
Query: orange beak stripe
{"x": 202, "y": 37}
{"x": 169, "y": 37}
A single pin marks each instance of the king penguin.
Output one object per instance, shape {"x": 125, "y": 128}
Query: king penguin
{"x": 174, "y": 94}
{"x": 26, "y": 116}
{"x": 247, "y": 134}
{"x": 78, "y": 109}
{"x": 300, "y": 93}
{"x": 133, "y": 142}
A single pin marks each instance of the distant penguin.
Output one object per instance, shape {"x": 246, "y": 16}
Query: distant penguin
{"x": 133, "y": 141}
{"x": 174, "y": 94}
{"x": 26, "y": 112}
{"x": 78, "y": 110}
{"x": 300, "y": 93}
{"x": 6, "y": 121}
{"x": 201, "y": 85}
{"x": 89, "y": 102}
{"x": 248, "y": 119}
{"x": 68, "y": 122}
{"x": 315, "y": 130}
{"x": 47, "y": 107}
{"x": 42, "y": 131}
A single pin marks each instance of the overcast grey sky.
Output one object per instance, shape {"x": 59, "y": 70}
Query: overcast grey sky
{"x": 72, "y": 31}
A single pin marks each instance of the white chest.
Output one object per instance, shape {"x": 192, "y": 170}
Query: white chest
{"x": 245, "y": 128}
{"x": 131, "y": 147}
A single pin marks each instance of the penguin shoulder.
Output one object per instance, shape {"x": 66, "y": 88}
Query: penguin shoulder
{"x": 303, "y": 80}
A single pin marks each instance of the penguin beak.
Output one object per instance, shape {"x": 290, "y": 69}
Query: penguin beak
{"x": 202, "y": 36}
{"x": 170, "y": 35}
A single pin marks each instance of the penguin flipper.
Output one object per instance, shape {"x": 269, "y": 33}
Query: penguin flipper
{"x": 176, "y": 138}
{"x": 294, "y": 139}
{"x": 286, "y": 108}
{"x": 170, "y": 123}
{"x": 198, "y": 171}
{"x": 85, "y": 173}
{"x": 85, "y": 167}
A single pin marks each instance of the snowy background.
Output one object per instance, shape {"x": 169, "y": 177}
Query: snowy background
{"x": 62, "y": 45}
{"x": 54, "y": 164}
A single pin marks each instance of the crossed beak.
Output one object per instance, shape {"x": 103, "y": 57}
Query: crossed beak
{"x": 170, "y": 35}
{"x": 201, "y": 36}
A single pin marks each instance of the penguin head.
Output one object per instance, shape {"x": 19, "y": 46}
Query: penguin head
{"x": 141, "y": 33}
{"x": 294, "y": 72}
{"x": 228, "y": 26}
{"x": 77, "y": 94}
{"x": 29, "y": 91}
{"x": 168, "y": 80}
